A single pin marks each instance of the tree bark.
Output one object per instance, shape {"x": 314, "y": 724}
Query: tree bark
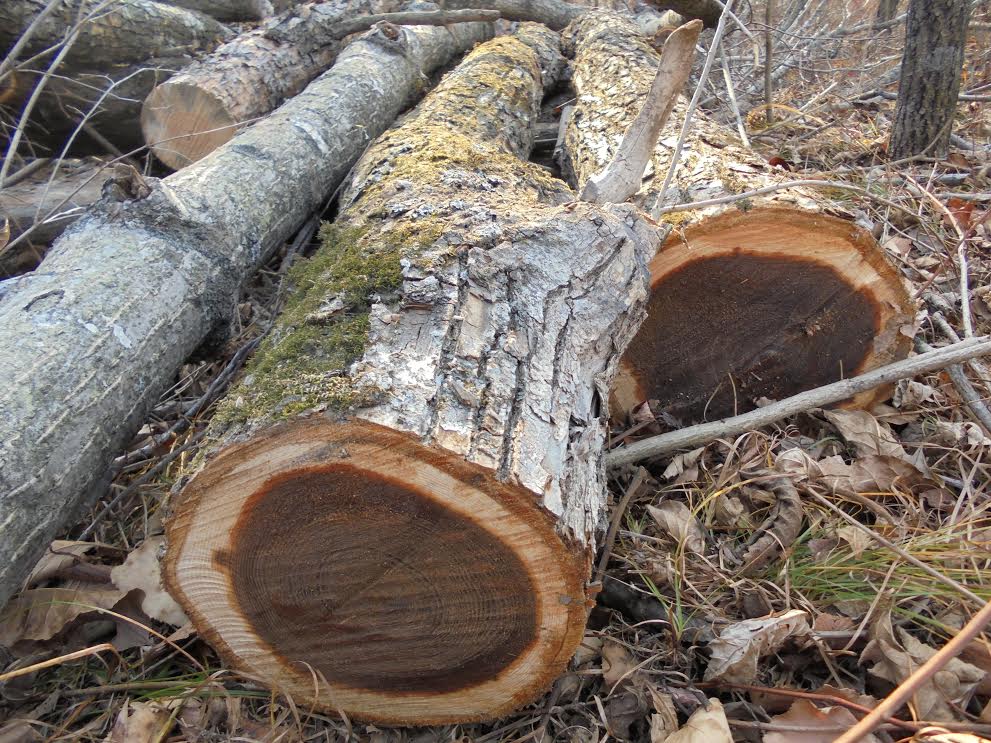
{"x": 124, "y": 31}
{"x": 204, "y": 106}
{"x": 131, "y": 289}
{"x": 425, "y": 421}
{"x": 935, "y": 33}
{"x": 45, "y": 205}
{"x": 886, "y": 10}
{"x": 807, "y": 297}
{"x": 229, "y": 10}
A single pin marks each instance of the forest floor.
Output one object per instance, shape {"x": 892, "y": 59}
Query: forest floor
{"x": 795, "y": 646}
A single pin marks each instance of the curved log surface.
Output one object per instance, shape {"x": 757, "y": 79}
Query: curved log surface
{"x": 426, "y": 418}
{"x": 759, "y": 299}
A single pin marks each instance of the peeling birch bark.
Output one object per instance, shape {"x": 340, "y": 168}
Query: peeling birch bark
{"x": 750, "y": 301}
{"x": 419, "y": 441}
{"x": 95, "y": 335}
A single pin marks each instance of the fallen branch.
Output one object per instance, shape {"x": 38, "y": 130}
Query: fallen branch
{"x": 907, "y": 689}
{"x": 694, "y": 436}
{"x": 621, "y": 178}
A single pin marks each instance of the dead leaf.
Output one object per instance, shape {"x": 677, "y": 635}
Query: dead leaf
{"x": 941, "y": 735}
{"x": 19, "y": 731}
{"x": 268, "y": 732}
{"x": 706, "y": 725}
{"x": 4, "y": 233}
{"x": 140, "y": 722}
{"x": 780, "y": 533}
{"x": 677, "y": 521}
{"x": 821, "y": 725}
{"x": 866, "y": 433}
{"x": 958, "y": 433}
{"x": 858, "y": 539}
{"x": 141, "y": 571}
{"x": 665, "y": 720}
{"x": 870, "y": 474}
{"x": 60, "y": 555}
{"x": 895, "y": 659}
{"x": 589, "y": 650}
{"x": 738, "y": 648}
{"x": 41, "y": 613}
{"x": 617, "y": 664}
{"x": 684, "y": 464}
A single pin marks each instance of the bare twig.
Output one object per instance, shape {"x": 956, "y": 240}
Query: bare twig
{"x": 768, "y": 53}
{"x": 968, "y": 393}
{"x": 731, "y": 94}
{"x": 621, "y": 178}
{"x": 701, "y": 434}
{"x": 907, "y": 688}
{"x": 689, "y": 206}
{"x": 617, "y": 519}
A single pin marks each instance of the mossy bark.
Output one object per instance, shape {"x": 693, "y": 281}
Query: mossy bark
{"x": 131, "y": 289}
{"x": 463, "y": 319}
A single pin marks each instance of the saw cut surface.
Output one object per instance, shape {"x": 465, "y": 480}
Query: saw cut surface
{"x": 376, "y": 584}
{"x": 762, "y": 304}
{"x": 359, "y": 571}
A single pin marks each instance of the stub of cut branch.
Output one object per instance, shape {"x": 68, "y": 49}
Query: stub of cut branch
{"x": 622, "y": 176}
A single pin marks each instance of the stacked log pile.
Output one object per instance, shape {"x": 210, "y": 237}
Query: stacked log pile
{"x": 419, "y": 439}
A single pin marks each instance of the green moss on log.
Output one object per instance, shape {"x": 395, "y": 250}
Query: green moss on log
{"x": 303, "y": 363}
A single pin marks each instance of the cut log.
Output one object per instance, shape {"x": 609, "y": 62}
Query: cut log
{"x": 228, "y": 10}
{"x": 203, "y": 107}
{"x": 757, "y": 299}
{"x": 44, "y": 206}
{"x": 109, "y": 100}
{"x": 419, "y": 441}
{"x": 124, "y": 31}
{"x": 131, "y": 289}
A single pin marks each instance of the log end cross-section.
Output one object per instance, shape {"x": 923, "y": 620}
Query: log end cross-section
{"x": 762, "y": 303}
{"x": 367, "y": 571}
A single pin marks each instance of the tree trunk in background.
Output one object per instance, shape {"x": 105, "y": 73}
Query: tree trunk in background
{"x": 886, "y": 10}
{"x": 203, "y": 107}
{"x": 124, "y": 31}
{"x": 46, "y": 205}
{"x": 807, "y": 298}
{"x": 424, "y": 423}
{"x": 935, "y": 33}
{"x": 131, "y": 289}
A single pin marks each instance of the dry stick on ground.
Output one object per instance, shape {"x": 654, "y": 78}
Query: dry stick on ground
{"x": 907, "y": 688}
{"x": 617, "y": 519}
{"x": 969, "y": 394}
{"x": 131, "y": 289}
{"x": 831, "y": 393}
{"x": 731, "y": 93}
{"x": 622, "y": 176}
